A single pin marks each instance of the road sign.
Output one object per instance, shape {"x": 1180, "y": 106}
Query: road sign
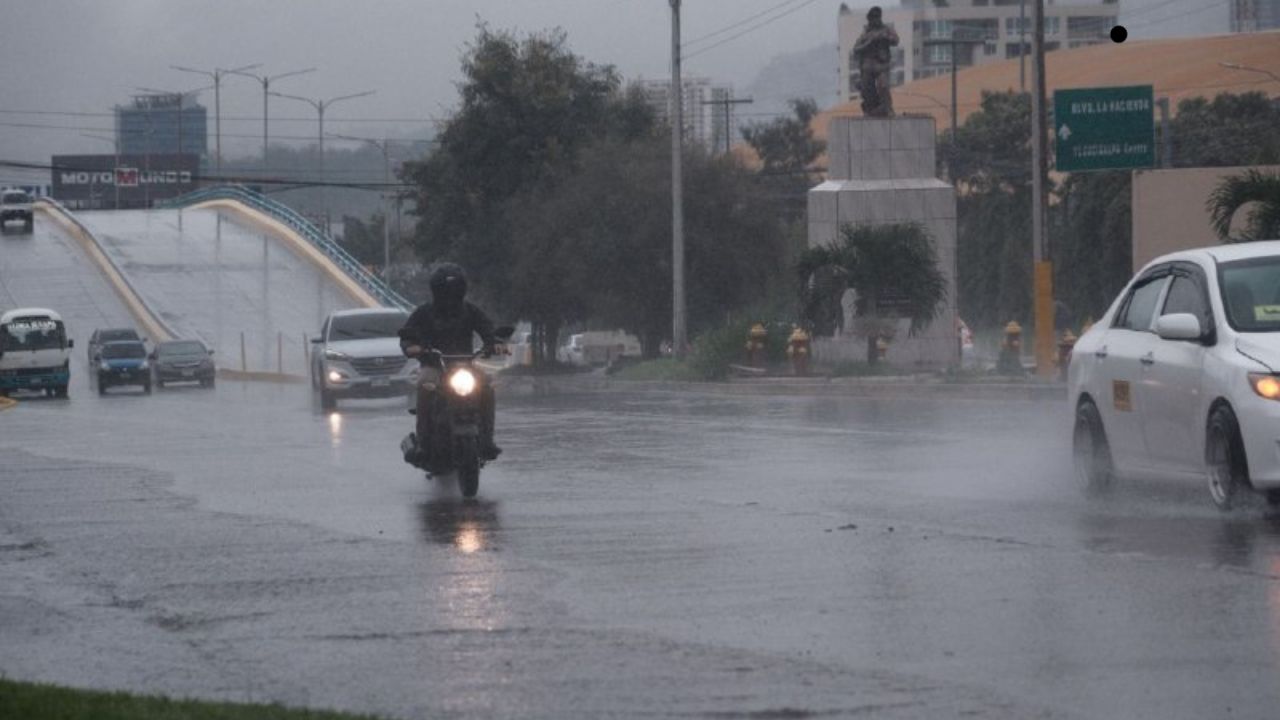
{"x": 1111, "y": 128}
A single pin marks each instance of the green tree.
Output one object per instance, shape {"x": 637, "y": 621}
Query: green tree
{"x": 1256, "y": 188}
{"x": 527, "y": 106}
{"x": 786, "y": 144}
{"x": 1231, "y": 129}
{"x": 882, "y": 263}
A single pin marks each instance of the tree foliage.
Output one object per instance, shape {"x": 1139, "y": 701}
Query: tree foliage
{"x": 1254, "y": 188}
{"x": 786, "y": 144}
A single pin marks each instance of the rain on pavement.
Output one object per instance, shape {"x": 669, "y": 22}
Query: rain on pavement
{"x": 632, "y": 553}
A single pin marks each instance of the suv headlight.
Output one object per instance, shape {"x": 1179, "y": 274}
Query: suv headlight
{"x": 1268, "y": 386}
{"x": 335, "y": 355}
{"x": 463, "y": 382}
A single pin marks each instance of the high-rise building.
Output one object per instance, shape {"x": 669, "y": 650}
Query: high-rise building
{"x": 1254, "y": 15}
{"x": 1003, "y": 27}
{"x": 162, "y": 124}
{"x": 705, "y": 119}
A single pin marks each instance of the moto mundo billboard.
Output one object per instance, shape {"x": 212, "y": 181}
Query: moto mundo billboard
{"x": 124, "y": 181}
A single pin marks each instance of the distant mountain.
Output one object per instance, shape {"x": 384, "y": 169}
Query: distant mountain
{"x": 813, "y": 73}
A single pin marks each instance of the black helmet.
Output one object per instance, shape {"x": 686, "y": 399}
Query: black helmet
{"x": 874, "y": 13}
{"x": 448, "y": 285}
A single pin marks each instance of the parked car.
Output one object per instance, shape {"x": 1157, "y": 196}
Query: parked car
{"x": 597, "y": 347}
{"x": 123, "y": 362}
{"x": 182, "y": 361}
{"x": 1181, "y": 376}
{"x": 358, "y": 355}
{"x": 102, "y": 336}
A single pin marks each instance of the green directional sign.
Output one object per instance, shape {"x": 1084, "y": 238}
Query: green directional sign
{"x": 1109, "y": 128}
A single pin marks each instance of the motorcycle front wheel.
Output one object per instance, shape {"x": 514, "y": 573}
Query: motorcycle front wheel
{"x": 468, "y": 467}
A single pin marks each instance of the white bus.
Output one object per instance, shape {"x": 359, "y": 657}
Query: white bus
{"x": 35, "y": 353}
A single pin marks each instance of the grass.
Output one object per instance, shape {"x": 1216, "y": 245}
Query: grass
{"x": 36, "y": 701}
{"x": 660, "y": 369}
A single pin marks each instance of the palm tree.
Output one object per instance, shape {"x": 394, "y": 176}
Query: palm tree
{"x": 882, "y": 263}
{"x": 1233, "y": 193}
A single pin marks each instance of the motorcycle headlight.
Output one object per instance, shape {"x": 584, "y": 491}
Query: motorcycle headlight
{"x": 463, "y": 382}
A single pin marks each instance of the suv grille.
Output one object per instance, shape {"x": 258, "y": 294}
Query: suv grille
{"x": 379, "y": 365}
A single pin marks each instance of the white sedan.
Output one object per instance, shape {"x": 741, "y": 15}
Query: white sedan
{"x": 1182, "y": 375}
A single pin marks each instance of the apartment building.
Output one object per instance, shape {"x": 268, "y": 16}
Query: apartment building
{"x": 1000, "y": 29}
{"x": 706, "y": 120}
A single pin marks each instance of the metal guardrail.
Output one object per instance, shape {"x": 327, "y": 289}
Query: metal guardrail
{"x": 304, "y": 227}
{"x": 124, "y": 277}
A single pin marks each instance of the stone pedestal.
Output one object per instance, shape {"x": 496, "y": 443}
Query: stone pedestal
{"x": 880, "y": 171}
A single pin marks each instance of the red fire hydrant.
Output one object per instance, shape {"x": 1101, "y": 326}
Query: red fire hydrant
{"x": 798, "y": 351}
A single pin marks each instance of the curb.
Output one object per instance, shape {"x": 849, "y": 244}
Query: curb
{"x": 7, "y": 403}
{"x": 923, "y": 389}
{"x": 261, "y": 376}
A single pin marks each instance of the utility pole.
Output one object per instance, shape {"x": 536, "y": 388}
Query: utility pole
{"x": 678, "y": 330}
{"x": 728, "y": 117}
{"x": 1043, "y": 287}
{"x": 1022, "y": 46}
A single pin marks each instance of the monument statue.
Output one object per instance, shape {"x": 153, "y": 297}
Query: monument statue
{"x": 874, "y": 59}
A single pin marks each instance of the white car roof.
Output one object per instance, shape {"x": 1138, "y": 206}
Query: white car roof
{"x": 25, "y": 312}
{"x": 1223, "y": 253}
{"x": 367, "y": 311}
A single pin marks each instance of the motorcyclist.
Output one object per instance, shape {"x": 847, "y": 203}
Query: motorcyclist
{"x": 448, "y": 324}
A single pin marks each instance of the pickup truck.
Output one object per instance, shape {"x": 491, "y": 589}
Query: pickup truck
{"x": 16, "y": 205}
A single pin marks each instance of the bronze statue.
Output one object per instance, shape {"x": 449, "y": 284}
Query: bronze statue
{"x": 875, "y": 60}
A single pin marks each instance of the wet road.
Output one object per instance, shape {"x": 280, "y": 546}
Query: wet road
{"x": 218, "y": 279}
{"x": 631, "y": 554}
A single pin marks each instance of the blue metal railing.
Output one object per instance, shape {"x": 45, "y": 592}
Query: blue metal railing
{"x": 304, "y": 227}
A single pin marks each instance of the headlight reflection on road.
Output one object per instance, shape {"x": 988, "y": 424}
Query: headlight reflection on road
{"x": 470, "y": 537}
{"x": 335, "y": 428}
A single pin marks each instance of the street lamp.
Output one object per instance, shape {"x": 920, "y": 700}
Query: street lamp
{"x": 321, "y": 106}
{"x": 386, "y": 215}
{"x": 952, "y": 41}
{"x": 266, "y": 83}
{"x": 216, "y": 74}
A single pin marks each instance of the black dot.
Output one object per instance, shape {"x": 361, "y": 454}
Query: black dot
{"x": 1118, "y": 34}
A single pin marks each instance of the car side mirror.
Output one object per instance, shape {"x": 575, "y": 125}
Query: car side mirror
{"x": 71, "y": 343}
{"x": 210, "y": 351}
{"x": 504, "y": 333}
{"x": 1178, "y": 326}
{"x": 317, "y": 340}
{"x": 151, "y": 356}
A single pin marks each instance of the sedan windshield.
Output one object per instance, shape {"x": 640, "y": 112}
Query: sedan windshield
{"x": 186, "y": 347}
{"x": 362, "y": 327}
{"x": 124, "y": 351}
{"x": 1251, "y": 294}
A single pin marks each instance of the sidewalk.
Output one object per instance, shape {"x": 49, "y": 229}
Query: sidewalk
{"x": 922, "y": 385}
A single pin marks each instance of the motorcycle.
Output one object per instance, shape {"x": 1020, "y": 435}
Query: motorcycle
{"x": 456, "y": 414}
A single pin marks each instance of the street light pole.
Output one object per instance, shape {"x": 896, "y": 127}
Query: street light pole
{"x": 384, "y": 146}
{"x": 321, "y": 106}
{"x": 216, "y": 74}
{"x": 952, "y": 41}
{"x": 678, "y": 329}
{"x": 266, "y": 84}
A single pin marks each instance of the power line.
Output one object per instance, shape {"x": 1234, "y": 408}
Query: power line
{"x": 752, "y": 28}
{"x": 736, "y": 25}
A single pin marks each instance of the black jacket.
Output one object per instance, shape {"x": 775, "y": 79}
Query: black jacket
{"x": 450, "y": 333}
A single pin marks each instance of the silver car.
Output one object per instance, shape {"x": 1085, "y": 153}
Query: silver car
{"x": 357, "y": 355}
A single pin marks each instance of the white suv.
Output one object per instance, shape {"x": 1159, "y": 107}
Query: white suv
{"x": 358, "y": 355}
{"x": 1182, "y": 374}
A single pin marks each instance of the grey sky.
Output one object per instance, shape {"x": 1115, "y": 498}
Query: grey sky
{"x": 85, "y": 56}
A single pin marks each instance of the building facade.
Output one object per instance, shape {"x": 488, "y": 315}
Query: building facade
{"x": 162, "y": 124}
{"x": 998, "y": 29}
{"x": 1254, "y": 15}
{"x": 706, "y": 120}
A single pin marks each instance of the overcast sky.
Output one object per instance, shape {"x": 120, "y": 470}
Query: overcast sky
{"x": 85, "y": 56}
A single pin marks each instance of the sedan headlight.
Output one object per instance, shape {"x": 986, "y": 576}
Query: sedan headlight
{"x": 103, "y": 366}
{"x": 463, "y": 382}
{"x": 1268, "y": 386}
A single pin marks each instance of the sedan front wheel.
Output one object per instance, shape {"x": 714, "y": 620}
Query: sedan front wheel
{"x": 1224, "y": 458}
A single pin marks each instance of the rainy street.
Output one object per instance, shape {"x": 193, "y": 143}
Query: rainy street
{"x": 750, "y": 556}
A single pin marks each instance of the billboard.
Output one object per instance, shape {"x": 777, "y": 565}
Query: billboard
{"x": 126, "y": 181}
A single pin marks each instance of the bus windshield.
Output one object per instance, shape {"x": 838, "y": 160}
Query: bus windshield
{"x": 32, "y": 334}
